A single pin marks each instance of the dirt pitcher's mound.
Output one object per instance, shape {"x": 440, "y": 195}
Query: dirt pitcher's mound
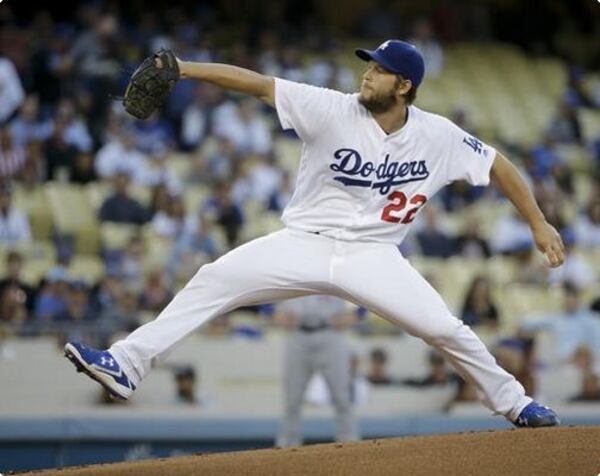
{"x": 552, "y": 451}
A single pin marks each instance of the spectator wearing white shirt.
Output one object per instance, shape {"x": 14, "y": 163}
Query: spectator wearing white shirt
{"x": 170, "y": 223}
{"x": 511, "y": 234}
{"x": 265, "y": 178}
{"x": 572, "y": 328}
{"x": 156, "y": 172}
{"x": 11, "y": 90}
{"x": 27, "y": 127}
{"x": 14, "y": 224}
{"x": 76, "y": 131}
{"x": 575, "y": 269}
{"x": 194, "y": 121}
{"x": 244, "y": 126}
{"x": 121, "y": 155}
{"x": 12, "y": 156}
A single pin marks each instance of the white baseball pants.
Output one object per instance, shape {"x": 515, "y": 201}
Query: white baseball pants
{"x": 290, "y": 263}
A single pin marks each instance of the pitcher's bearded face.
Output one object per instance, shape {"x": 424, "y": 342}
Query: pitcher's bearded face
{"x": 377, "y": 101}
{"x": 378, "y": 90}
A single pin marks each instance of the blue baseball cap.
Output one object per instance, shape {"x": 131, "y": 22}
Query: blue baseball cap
{"x": 399, "y": 57}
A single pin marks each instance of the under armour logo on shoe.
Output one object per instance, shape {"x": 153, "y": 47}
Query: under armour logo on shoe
{"x": 109, "y": 361}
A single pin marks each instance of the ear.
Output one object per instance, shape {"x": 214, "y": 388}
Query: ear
{"x": 404, "y": 87}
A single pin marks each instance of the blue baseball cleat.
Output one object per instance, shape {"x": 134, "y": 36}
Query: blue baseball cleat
{"x": 102, "y": 367}
{"x": 535, "y": 415}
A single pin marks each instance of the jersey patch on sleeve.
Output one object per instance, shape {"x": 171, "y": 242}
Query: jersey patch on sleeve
{"x": 474, "y": 144}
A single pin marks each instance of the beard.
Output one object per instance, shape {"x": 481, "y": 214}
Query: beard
{"x": 379, "y": 103}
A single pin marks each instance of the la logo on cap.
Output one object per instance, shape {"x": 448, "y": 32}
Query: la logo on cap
{"x": 382, "y": 47}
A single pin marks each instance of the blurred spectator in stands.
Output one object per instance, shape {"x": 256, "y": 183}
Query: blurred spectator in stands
{"x": 265, "y": 177}
{"x": 282, "y": 196}
{"x": 378, "y": 373}
{"x": 169, "y": 223}
{"x": 194, "y": 247}
{"x": 459, "y": 194}
{"x": 438, "y": 373}
{"x": 433, "y": 54}
{"x": 242, "y": 187}
{"x": 28, "y": 126}
{"x": 587, "y": 225}
{"x": 11, "y": 90}
{"x": 543, "y": 158}
{"x": 73, "y": 127}
{"x": 120, "y": 207}
{"x": 105, "y": 295}
{"x": 244, "y": 127}
{"x": 120, "y": 155}
{"x": 155, "y": 294}
{"x": 51, "y": 299}
{"x": 78, "y": 309}
{"x": 478, "y": 307}
{"x": 82, "y": 169}
{"x": 52, "y": 65}
{"x": 565, "y": 127}
{"x": 575, "y": 270}
{"x": 157, "y": 172}
{"x": 590, "y": 382}
{"x": 186, "y": 386}
{"x": 227, "y": 213}
{"x": 433, "y": 241}
{"x": 153, "y": 134}
{"x": 14, "y": 224}
{"x": 97, "y": 55}
{"x": 220, "y": 164}
{"x": 511, "y": 235}
{"x": 13, "y": 310}
{"x": 59, "y": 154}
{"x": 470, "y": 243}
{"x": 76, "y": 319}
{"x": 564, "y": 180}
{"x": 572, "y": 328}
{"x": 529, "y": 266}
{"x": 14, "y": 267}
{"x": 13, "y": 157}
{"x": 160, "y": 201}
{"x": 194, "y": 123}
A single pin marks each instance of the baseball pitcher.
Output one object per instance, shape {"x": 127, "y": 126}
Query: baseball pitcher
{"x": 370, "y": 162}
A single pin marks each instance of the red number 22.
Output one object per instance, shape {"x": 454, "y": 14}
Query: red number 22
{"x": 398, "y": 204}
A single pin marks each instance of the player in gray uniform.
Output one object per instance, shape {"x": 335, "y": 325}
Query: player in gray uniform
{"x": 316, "y": 344}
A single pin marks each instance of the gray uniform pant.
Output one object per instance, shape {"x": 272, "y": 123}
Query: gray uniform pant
{"x": 328, "y": 353}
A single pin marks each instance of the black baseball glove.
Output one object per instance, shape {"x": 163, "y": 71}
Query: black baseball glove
{"x": 150, "y": 84}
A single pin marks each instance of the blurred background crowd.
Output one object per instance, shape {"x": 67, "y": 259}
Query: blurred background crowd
{"x": 103, "y": 218}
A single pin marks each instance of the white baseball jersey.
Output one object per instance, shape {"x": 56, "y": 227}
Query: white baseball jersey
{"x": 361, "y": 188}
{"x": 358, "y": 183}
